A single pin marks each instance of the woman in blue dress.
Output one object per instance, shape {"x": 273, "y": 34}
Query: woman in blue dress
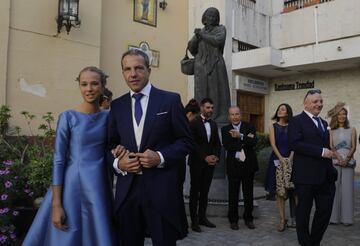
{"x": 279, "y": 168}
{"x": 77, "y": 209}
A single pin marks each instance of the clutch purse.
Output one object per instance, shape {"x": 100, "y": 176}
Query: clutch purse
{"x": 187, "y": 64}
{"x": 351, "y": 163}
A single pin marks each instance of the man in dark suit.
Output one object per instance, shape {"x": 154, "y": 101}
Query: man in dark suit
{"x": 239, "y": 140}
{"x": 202, "y": 162}
{"x": 151, "y": 125}
{"x": 313, "y": 173}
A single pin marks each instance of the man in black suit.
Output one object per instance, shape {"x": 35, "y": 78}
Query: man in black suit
{"x": 313, "y": 173}
{"x": 202, "y": 162}
{"x": 239, "y": 140}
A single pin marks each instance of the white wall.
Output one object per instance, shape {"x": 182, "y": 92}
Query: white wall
{"x": 251, "y": 25}
{"x": 335, "y": 19}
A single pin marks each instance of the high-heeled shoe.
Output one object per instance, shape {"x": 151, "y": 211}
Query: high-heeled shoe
{"x": 282, "y": 225}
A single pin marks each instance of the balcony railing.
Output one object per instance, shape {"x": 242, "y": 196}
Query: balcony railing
{"x": 247, "y": 3}
{"x": 238, "y": 46}
{"x": 291, "y": 5}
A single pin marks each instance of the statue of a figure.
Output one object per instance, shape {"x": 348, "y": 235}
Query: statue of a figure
{"x": 145, "y": 9}
{"x": 211, "y": 80}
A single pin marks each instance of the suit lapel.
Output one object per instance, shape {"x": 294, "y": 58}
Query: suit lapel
{"x": 152, "y": 108}
{"x": 311, "y": 122}
{"x": 242, "y": 127}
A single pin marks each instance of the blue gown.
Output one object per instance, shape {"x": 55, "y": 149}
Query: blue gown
{"x": 282, "y": 143}
{"x": 79, "y": 166}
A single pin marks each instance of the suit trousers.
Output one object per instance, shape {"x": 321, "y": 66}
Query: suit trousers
{"x": 323, "y": 195}
{"x": 201, "y": 176}
{"x": 137, "y": 217}
{"x": 247, "y": 182}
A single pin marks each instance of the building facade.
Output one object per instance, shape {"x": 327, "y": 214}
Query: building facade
{"x": 275, "y": 50}
{"x": 281, "y": 49}
{"x": 38, "y": 66}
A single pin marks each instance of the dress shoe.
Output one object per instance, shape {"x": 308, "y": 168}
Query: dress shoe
{"x": 250, "y": 224}
{"x": 292, "y": 223}
{"x": 195, "y": 227}
{"x": 270, "y": 197}
{"x": 234, "y": 226}
{"x": 206, "y": 223}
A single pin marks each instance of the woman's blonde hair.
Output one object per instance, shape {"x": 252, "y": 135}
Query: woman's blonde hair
{"x": 334, "y": 112}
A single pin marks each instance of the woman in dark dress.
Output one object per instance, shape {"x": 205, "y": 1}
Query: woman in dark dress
{"x": 280, "y": 163}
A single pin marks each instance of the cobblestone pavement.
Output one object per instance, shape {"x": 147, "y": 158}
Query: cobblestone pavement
{"x": 266, "y": 234}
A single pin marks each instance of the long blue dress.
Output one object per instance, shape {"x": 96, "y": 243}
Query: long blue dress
{"x": 79, "y": 166}
{"x": 282, "y": 143}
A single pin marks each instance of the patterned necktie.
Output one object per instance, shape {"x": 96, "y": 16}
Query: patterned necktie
{"x": 138, "y": 109}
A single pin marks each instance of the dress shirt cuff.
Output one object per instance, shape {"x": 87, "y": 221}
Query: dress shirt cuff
{"x": 162, "y": 160}
{"x": 322, "y": 153}
{"x": 115, "y": 166}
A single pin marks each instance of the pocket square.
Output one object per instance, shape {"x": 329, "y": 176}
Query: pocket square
{"x": 162, "y": 113}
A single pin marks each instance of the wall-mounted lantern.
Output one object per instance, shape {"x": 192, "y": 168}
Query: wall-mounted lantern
{"x": 68, "y": 15}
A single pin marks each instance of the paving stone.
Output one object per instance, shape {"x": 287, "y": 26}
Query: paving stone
{"x": 266, "y": 233}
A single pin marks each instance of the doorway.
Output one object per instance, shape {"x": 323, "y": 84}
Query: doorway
{"x": 252, "y": 108}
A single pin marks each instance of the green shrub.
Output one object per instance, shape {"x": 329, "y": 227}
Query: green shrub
{"x": 263, "y": 160}
{"x": 25, "y": 169}
{"x": 263, "y": 141}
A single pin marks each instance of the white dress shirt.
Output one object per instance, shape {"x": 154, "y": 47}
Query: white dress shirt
{"x": 239, "y": 155}
{"x": 207, "y": 127}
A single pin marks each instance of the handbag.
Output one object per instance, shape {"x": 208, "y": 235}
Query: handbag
{"x": 351, "y": 163}
{"x": 187, "y": 64}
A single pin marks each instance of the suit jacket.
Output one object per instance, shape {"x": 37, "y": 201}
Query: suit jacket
{"x": 165, "y": 130}
{"x": 203, "y": 147}
{"x": 232, "y": 145}
{"x": 307, "y": 142}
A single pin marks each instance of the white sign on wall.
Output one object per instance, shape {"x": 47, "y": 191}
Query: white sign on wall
{"x": 250, "y": 84}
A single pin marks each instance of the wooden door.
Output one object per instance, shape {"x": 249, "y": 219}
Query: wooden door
{"x": 252, "y": 108}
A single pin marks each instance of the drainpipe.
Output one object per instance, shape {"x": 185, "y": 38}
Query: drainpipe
{"x": 316, "y": 25}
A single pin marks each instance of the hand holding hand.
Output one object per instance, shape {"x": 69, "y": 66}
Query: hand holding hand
{"x": 119, "y": 151}
{"x": 328, "y": 153}
{"x": 235, "y": 133}
{"x": 149, "y": 158}
{"x": 58, "y": 217}
{"x": 129, "y": 163}
{"x": 211, "y": 160}
{"x": 197, "y": 31}
{"x": 250, "y": 135}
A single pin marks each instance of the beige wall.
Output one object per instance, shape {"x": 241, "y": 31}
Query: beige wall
{"x": 169, "y": 38}
{"x": 343, "y": 85}
{"x": 45, "y": 62}
{"x": 4, "y": 38}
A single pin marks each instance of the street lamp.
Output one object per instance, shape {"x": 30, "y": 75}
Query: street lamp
{"x": 68, "y": 15}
